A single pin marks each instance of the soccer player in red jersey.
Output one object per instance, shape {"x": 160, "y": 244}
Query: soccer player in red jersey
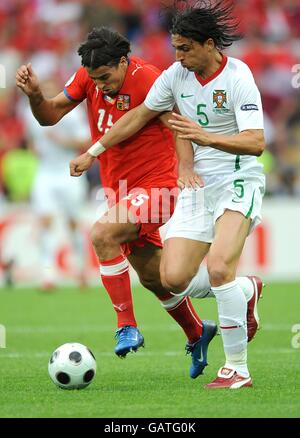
{"x": 139, "y": 177}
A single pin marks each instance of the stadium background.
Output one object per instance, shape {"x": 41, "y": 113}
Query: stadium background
{"x": 47, "y": 34}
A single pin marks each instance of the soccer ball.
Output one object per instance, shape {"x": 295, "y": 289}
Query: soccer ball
{"x": 72, "y": 366}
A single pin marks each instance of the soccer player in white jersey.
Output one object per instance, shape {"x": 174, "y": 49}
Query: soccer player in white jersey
{"x": 54, "y": 193}
{"x": 222, "y": 116}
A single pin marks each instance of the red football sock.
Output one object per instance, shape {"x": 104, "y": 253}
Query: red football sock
{"x": 116, "y": 280}
{"x": 182, "y": 310}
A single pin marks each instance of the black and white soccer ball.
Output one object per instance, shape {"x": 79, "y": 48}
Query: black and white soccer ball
{"x": 72, "y": 366}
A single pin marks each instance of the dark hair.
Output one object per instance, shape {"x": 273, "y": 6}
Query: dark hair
{"x": 103, "y": 46}
{"x": 206, "y": 19}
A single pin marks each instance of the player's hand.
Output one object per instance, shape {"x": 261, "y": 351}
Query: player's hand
{"x": 189, "y": 130}
{"x": 81, "y": 164}
{"x": 27, "y": 80}
{"x": 189, "y": 179}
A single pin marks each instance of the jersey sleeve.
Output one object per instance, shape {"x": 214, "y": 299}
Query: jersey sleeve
{"x": 75, "y": 88}
{"x": 160, "y": 97}
{"x": 143, "y": 80}
{"x": 248, "y": 106}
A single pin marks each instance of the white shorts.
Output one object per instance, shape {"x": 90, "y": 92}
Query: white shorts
{"x": 56, "y": 193}
{"x": 197, "y": 211}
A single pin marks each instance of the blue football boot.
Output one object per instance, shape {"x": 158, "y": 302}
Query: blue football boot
{"x": 128, "y": 339}
{"x": 198, "y": 349}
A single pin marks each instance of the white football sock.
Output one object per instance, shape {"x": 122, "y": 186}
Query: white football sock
{"x": 232, "y": 309}
{"x": 200, "y": 286}
{"x": 171, "y": 303}
{"x": 238, "y": 362}
{"x": 247, "y": 287}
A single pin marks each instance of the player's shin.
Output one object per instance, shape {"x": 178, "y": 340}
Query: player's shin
{"x": 232, "y": 309}
{"x": 183, "y": 312}
{"x": 116, "y": 280}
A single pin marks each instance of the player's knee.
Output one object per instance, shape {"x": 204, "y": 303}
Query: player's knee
{"x": 101, "y": 235}
{"x": 219, "y": 272}
{"x": 163, "y": 278}
{"x": 174, "y": 281}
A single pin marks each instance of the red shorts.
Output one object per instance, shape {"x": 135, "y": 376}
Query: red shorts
{"x": 151, "y": 208}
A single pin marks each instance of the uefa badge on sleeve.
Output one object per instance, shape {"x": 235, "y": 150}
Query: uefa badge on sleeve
{"x": 123, "y": 102}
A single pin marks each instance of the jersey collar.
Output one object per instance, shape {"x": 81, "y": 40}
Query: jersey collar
{"x": 131, "y": 67}
{"x": 216, "y": 74}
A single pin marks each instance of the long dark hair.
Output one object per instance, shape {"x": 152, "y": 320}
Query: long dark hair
{"x": 103, "y": 46}
{"x": 206, "y": 19}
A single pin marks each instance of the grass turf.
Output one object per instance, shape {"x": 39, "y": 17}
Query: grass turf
{"x": 153, "y": 382}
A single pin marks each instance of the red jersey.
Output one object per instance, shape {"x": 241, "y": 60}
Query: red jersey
{"x": 148, "y": 158}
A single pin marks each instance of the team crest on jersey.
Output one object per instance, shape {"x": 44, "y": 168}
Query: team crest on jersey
{"x": 123, "y": 102}
{"x": 220, "y": 99}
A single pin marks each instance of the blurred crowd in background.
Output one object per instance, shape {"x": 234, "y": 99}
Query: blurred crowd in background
{"x": 47, "y": 33}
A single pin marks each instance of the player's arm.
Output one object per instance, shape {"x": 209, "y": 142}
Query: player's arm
{"x": 47, "y": 111}
{"x": 128, "y": 125}
{"x": 185, "y": 155}
{"x": 187, "y": 177}
{"x": 164, "y": 118}
{"x": 247, "y": 142}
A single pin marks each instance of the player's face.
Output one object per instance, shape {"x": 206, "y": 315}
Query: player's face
{"x": 192, "y": 55}
{"x": 109, "y": 79}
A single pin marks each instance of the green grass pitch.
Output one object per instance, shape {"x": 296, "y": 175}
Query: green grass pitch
{"x": 153, "y": 382}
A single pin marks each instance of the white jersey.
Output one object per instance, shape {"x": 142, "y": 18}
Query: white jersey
{"x": 54, "y": 190}
{"x": 227, "y": 103}
{"x": 53, "y": 157}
